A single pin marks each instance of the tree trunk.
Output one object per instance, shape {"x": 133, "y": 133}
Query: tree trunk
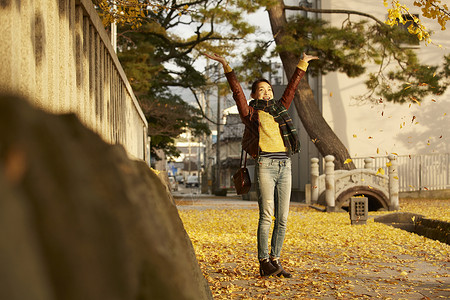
{"x": 318, "y": 129}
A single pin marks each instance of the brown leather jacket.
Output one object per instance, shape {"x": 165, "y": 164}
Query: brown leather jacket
{"x": 250, "y": 140}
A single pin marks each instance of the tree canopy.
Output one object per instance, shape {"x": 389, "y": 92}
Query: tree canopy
{"x": 431, "y": 9}
{"x": 160, "y": 41}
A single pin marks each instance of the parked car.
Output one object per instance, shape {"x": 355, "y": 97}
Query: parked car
{"x": 192, "y": 181}
{"x": 180, "y": 179}
{"x": 173, "y": 183}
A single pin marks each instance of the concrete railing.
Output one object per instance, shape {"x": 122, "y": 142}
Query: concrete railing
{"x": 58, "y": 55}
{"x": 335, "y": 188}
{"x": 418, "y": 172}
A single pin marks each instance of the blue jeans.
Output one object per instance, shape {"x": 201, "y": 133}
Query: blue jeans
{"x": 274, "y": 182}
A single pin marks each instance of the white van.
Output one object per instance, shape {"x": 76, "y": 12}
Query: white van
{"x": 192, "y": 181}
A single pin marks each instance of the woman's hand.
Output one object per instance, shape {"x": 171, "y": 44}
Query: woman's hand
{"x": 217, "y": 57}
{"x": 307, "y": 57}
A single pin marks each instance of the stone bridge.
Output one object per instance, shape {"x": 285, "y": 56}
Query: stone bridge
{"x": 334, "y": 188}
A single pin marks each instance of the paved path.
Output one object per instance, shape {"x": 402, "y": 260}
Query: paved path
{"x": 425, "y": 280}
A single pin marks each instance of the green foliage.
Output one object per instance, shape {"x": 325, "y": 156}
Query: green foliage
{"x": 254, "y": 65}
{"x": 401, "y": 77}
{"x": 145, "y": 54}
{"x": 416, "y": 81}
{"x": 350, "y": 49}
{"x": 160, "y": 52}
{"x": 168, "y": 116}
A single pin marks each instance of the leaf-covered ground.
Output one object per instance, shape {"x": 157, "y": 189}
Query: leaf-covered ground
{"x": 329, "y": 258}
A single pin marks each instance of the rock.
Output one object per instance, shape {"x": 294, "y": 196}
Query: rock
{"x": 80, "y": 220}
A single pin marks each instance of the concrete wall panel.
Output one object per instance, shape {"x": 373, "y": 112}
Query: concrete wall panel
{"x": 57, "y": 54}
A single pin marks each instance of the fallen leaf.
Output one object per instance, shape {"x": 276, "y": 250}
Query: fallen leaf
{"x": 380, "y": 171}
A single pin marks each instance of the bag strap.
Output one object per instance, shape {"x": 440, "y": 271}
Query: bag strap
{"x": 245, "y": 159}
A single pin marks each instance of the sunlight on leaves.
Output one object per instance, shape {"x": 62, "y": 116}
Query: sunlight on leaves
{"x": 327, "y": 254}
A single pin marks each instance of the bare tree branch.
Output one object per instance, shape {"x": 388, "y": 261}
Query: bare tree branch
{"x": 201, "y": 108}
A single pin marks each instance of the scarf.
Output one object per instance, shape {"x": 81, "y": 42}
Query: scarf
{"x": 281, "y": 116}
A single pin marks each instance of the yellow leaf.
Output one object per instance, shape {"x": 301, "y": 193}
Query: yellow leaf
{"x": 331, "y": 94}
{"x": 388, "y": 164}
{"x": 347, "y": 161}
{"x": 380, "y": 171}
{"x": 396, "y": 177}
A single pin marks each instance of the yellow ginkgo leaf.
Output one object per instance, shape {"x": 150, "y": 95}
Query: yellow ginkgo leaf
{"x": 388, "y": 164}
{"x": 347, "y": 161}
{"x": 380, "y": 171}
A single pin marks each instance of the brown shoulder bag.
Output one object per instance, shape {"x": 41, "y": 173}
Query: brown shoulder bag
{"x": 241, "y": 178}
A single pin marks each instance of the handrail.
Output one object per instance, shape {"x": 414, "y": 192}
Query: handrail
{"x": 97, "y": 23}
{"x": 58, "y": 55}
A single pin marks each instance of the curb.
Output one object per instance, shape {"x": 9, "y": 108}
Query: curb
{"x": 419, "y": 224}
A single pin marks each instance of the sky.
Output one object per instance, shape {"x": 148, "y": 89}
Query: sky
{"x": 259, "y": 19}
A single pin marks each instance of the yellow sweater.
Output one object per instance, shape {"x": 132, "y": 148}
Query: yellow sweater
{"x": 270, "y": 139}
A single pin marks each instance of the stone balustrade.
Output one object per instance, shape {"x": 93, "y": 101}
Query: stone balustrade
{"x": 58, "y": 55}
{"x": 335, "y": 188}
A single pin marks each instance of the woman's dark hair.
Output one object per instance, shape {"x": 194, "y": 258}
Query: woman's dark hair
{"x": 255, "y": 84}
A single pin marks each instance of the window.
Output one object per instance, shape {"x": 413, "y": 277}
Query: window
{"x": 408, "y": 39}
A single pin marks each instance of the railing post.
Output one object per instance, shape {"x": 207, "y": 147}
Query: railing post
{"x": 368, "y": 163}
{"x": 393, "y": 182}
{"x": 329, "y": 183}
{"x": 314, "y": 180}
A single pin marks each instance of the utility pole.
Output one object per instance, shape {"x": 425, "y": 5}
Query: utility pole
{"x": 207, "y": 175}
{"x": 218, "y": 141}
{"x": 114, "y": 30}
{"x": 189, "y": 150}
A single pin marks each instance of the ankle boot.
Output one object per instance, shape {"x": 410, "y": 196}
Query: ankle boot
{"x": 266, "y": 268}
{"x": 276, "y": 263}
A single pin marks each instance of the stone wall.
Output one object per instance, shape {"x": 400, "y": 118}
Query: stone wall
{"x": 80, "y": 220}
{"x": 58, "y": 55}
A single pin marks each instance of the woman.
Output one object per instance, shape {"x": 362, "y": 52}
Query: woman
{"x": 270, "y": 138}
